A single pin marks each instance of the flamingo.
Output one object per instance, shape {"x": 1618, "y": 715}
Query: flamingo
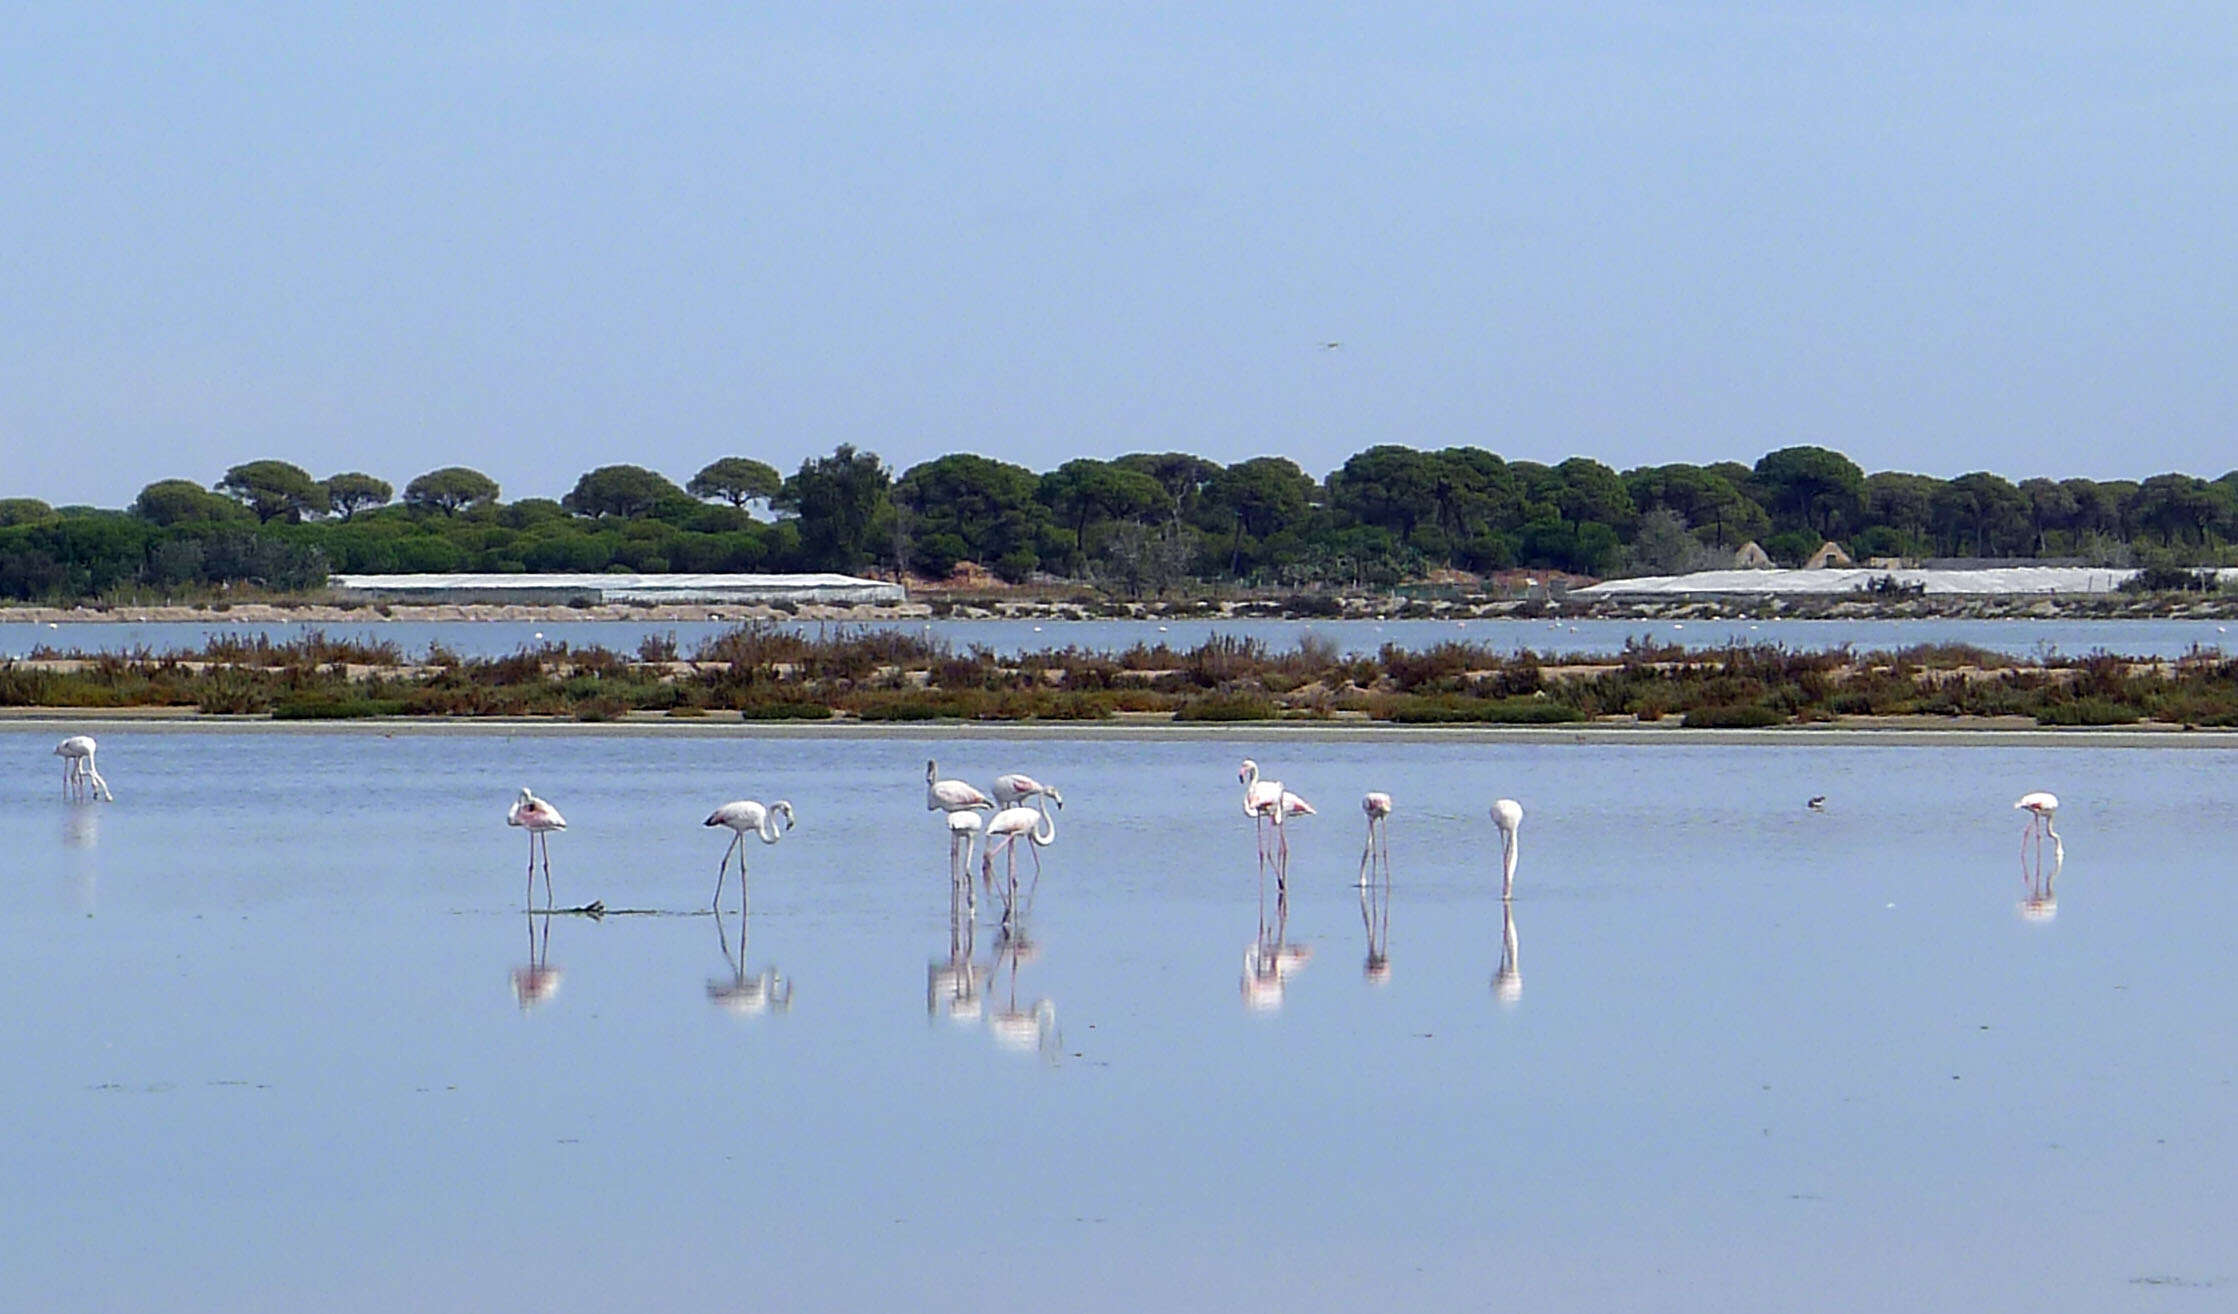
{"x": 2040, "y": 806}
{"x": 539, "y": 819}
{"x": 746, "y": 817}
{"x": 1262, "y": 801}
{"x": 1378, "y": 808}
{"x": 963, "y": 829}
{"x": 1288, "y": 807}
{"x": 78, "y": 773}
{"x": 1015, "y": 788}
{"x": 1003, "y": 832}
{"x": 1507, "y": 814}
{"x": 951, "y": 795}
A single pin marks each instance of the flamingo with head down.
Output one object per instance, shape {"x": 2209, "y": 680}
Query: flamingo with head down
{"x": 746, "y": 817}
{"x": 539, "y": 819}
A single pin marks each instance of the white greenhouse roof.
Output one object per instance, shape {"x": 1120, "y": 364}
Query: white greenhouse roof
{"x": 2003, "y": 580}
{"x": 630, "y": 588}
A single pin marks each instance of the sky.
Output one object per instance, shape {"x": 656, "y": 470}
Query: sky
{"x": 534, "y": 238}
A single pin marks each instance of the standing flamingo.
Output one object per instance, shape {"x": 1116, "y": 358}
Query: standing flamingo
{"x": 1507, "y": 814}
{"x": 79, "y": 778}
{"x": 2040, "y": 806}
{"x": 540, "y": 819}
{"x": 1004, "y": 830}
{"x": 1287, "y": 807}
{"x": 1015, "y": 788}
{"x": 963, "y": 830}
{"x": 1378, "y": 808}
{"x": 746, "y": 817}
{"x": 1262, "y": 800}
{"x": 951, "y": 795}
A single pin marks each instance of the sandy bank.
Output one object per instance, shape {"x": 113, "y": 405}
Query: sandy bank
{"x": 1863, "y": 731}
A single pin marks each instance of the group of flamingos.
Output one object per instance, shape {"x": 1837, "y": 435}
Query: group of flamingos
{"x": 1018, "y": 810}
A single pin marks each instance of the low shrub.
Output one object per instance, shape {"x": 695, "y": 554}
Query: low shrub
{"x": 1228, "y": 707}
{"x": 2089, "y": 711}
{"x": 1733, "y": 716}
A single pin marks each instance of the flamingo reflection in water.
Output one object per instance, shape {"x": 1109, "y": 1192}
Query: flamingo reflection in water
{"x": 952, "y": 986}
{"x": 1507, "y": 979}
{"x": 1375, "y": 889}
{"x": 739, "y": 994}
{"x": 1031, "y": 1029}
{"x": 537, "y": 980}
{"x": 1271, "y": 960}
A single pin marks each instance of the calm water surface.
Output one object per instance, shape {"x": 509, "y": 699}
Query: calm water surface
{"x": 2022, "y": 638}
{"x": 277, "y": 1038}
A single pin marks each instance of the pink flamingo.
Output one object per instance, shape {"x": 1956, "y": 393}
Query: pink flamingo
{"x": 1507, "y": 814}
{"x": 539, "y": 819}
{"x": 1004, "y": 830}
{"x": 2040, "y": 805}
{"x": 1015, "y": 788}
{"x": 951, "y": 795}
{"x": 1262, "y": 800}
{"x": 746, "y": 817}
{"x": 79, "y": 778}
{"x": 1378, "y": 808}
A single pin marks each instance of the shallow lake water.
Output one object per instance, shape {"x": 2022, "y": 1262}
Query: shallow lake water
{"x": 281, "y": 1035}
{"x": 2019, "y": 638}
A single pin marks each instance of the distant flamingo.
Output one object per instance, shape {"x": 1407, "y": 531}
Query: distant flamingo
{"x": 951, "y": 795}
{"x": 2040, "y": 806}
{"x": 540, "y": 819}
{"x": 1014, "y": 789}
{"x": 1004, "y": 830}
{"x": 79, "y": 778}
{"x": 1507, "y": 814}
{"x": 1378, "y": 808}
{"x": 746, "y": 817}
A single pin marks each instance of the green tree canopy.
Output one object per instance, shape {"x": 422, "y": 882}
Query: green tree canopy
{"x": 736, "y": 480}
{"x": 353, "y": 492}
{"x": 450, "y": 490}
{"x": 23, "y": 511}
{"x": 1810, "y": 488}
{"x": 987, "y": 506}
{"x": 183, "y": 501}
{"x": 838, "y": 499}
{"x": 274, "y": 489}
{"x": 619, "y": 490}
{"x": 1087, "y": 492}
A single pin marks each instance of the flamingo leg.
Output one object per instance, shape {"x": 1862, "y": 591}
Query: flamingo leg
{"x": 723, "y": 867}
{"x": 1367, "y": 854}
{"x": 547, "y": 871}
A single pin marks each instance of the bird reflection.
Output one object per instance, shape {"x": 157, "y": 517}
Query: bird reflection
{"x": 1029, "y": 1029}
{"x": 1507, "y": 979}
{"x": 1271, "y": 960}
{"x": 740, "y": 994}
{"x": 952, "y": 986}
{"x": 1375, "y": 913}
{"x": 537, "y": 980}
{"x": 81, "y": 826}
{"x": 2041, "y": 903}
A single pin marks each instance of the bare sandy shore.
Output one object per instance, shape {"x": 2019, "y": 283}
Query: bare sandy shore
{"x": 1871, "y": 732}
{"x": 261, "y": 613}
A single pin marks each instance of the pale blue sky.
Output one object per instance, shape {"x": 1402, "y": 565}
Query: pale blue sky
{"x": 534, "y": 238}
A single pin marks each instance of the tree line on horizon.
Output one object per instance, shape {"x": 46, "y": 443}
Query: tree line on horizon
{"x": 1139, "y": 522}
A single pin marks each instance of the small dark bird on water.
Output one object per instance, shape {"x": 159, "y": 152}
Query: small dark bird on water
{"x": 1331, "y": 346}
{"x": 1818, "y": 803}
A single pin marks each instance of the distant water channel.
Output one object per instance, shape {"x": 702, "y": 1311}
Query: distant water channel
{"x": 281, "y": 1036}
{"x": 2020, "y": 638}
